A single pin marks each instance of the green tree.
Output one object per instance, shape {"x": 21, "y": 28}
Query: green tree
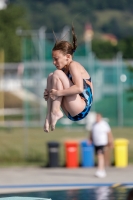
{"x": 55, "y": 14}
{"x": 10, "y": 19}
{"x": 126, "y": 47}
{"x": 104, "y": 50}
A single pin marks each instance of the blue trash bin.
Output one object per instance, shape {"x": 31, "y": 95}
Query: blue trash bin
{"x": 87, "y": 154}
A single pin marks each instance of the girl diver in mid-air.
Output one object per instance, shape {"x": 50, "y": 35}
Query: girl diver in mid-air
{"x": 69, "y": 87}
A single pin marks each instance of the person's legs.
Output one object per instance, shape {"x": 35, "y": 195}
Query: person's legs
{"x": 49, "y": 103}
{"x": 100, "y": 162}
{"x": 56, "y": 113}
{"x": 72, "y": 104}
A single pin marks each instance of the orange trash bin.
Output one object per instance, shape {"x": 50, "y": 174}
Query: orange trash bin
{"x": 71, "y": 154}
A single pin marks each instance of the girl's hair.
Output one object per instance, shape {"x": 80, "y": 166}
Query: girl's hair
{"x": 65, "y": 46}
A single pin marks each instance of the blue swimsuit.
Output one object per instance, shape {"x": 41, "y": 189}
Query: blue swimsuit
{"x": 86, "y": 95}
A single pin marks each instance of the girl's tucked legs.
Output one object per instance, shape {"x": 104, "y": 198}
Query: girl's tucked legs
{"x": 56, "y": 113}
{"x": 72, "y": 104}
{"x": 49, "y": 103}
{"x": 53, "y": 107}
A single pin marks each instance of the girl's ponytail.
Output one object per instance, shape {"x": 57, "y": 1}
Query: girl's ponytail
{"x": 74, "y": 39}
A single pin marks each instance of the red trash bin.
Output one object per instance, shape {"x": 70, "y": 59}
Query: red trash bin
{"x": 71, "y": 154}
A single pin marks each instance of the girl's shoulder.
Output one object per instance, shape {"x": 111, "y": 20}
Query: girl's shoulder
{"x": 74, "y": 64}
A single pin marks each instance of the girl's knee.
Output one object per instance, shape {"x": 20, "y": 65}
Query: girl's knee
{"x": 58, "y": 72}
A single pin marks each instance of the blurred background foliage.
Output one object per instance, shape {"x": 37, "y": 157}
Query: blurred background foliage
{"x": 10, "y": 19}
{"x": 106, "y": 17}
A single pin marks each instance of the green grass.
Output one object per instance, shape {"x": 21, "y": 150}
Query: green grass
{"x": 21, "y": 146}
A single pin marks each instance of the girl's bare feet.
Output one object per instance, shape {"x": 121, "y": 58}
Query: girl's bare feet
{"x": 46, "y": 125}
{"x": 54, "y": 118}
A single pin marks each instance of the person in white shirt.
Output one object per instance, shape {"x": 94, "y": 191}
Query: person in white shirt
{"x": 101, "y": 136}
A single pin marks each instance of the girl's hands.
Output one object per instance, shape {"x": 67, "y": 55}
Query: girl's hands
{"x": 53, "y": 94}
{"x": 46, "y": 94}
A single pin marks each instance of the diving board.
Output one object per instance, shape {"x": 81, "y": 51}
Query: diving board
{"x": 22, "y": 198}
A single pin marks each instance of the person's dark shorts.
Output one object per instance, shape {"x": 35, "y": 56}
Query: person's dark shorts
{"x": 99, "y": 149}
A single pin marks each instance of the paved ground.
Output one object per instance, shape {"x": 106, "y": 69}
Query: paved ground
{"x": 17, "y": 179}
